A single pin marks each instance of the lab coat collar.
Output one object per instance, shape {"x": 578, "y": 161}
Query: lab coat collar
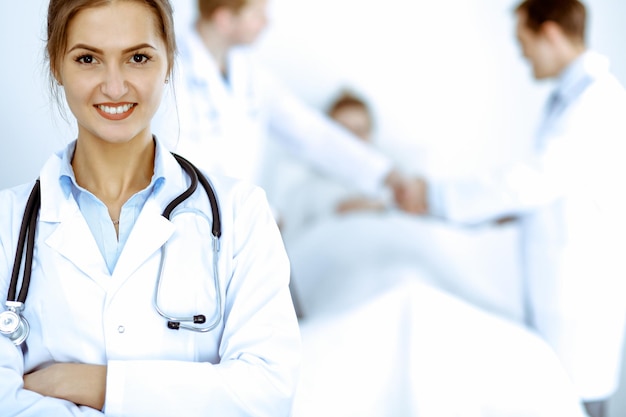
{"x": 589, "y": 64}
{"x": 57, "y": 202}
{"x": 56, "y": 196}
{"x": 198, "y": 60}
{"x": 72, "y": 237}
{"x": 203, "y": 68}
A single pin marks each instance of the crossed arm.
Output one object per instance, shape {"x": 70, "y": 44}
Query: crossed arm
{"x": 79, "y": 383}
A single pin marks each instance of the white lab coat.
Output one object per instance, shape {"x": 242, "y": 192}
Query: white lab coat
{"x": 224, "y": 125}
{"x": 78, "y": 312}
{"x": 570, "y": 200}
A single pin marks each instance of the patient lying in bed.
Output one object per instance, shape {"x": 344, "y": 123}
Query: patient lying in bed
{"x": 407, "y": 316}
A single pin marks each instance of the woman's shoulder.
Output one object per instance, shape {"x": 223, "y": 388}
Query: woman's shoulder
{"x": 233, "y": 189}
{"x": 15, "y": 196}
{"x": 12, "y": 205}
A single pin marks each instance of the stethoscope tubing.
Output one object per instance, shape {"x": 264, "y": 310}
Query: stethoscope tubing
{"x": 178, "y": 322}
{"x": 27, "y": 234}
{"x": 29, "y": 225}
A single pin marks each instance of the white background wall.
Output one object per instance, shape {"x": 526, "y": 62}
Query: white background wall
{"x": 440, "y": 75}
{"x": 446, "y": 78}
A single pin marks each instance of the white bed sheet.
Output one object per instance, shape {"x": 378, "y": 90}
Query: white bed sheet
{"x": 479, "y": 264}
{"x": 414, "y": 350}
{"x": 406, "y": 316}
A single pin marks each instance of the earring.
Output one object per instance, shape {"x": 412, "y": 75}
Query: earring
{"x": 167, "y": 80}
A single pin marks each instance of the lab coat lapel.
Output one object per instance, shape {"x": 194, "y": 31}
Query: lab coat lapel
{"x": 73, "y": 240}
{"x": 150, "y": 232}
{"x": 151, "y": 229}
{"x": 70, "y": 235}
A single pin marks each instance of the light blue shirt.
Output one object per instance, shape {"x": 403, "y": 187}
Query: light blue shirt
{"x": 571, "y": 84}
{"x": 96, "y": 213}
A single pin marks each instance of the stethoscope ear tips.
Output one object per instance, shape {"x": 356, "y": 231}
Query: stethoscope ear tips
{"x": 175, "y": 325}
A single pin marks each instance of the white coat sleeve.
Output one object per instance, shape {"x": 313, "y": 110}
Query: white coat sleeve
{"x": 513, "y": 190}
{"x": 14, "y": 399}
{"x": 259, "y": 349}
{"x": 581, "y": 160}
{"x": 329, "y": 147}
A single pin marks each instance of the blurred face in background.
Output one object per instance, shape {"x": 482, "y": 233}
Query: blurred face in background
{"x": 249, "y": 22}
{"x": 356, "y": 119}
{"x": 538, "y": 49}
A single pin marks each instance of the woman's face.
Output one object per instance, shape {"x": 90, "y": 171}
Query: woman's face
{"x": 114, "y": 71}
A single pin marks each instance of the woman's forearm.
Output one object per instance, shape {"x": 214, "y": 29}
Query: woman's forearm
{"x": 81, "y": 384}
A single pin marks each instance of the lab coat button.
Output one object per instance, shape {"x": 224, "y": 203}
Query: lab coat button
{"x": 121, "y": 329}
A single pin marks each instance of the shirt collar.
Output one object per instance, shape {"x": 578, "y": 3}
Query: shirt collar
{"x": 587, "y": 67}
{"x": 66, "y": 176}
{"x": 67, "y": 179}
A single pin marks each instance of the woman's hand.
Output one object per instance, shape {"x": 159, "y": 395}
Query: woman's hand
{"x": 79, "y": 383}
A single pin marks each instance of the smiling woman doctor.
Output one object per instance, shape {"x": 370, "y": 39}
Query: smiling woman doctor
{"x": 115, "y": 328}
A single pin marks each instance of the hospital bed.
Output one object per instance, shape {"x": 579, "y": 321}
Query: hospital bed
{"x": 392, "y": 328}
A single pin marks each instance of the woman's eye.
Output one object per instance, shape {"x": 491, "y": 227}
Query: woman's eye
{"x": 85, "y": 59}
{"x": 139, "y": 58}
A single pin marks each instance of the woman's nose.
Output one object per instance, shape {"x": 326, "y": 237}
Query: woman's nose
{"x": 114, "y": 83}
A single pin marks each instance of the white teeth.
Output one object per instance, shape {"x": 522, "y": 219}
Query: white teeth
{"x": 115, "y": 110}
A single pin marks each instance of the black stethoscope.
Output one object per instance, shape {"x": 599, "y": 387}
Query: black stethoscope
{"x": 15, "y": 326}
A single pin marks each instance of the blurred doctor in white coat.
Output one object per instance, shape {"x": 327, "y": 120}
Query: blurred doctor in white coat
{"x": 568, "y": 196}
{"x": 97, "y": 345}
{"x": 229, "y": 107}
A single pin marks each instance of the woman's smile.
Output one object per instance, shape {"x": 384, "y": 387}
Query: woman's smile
{"x": 115, "y": 111}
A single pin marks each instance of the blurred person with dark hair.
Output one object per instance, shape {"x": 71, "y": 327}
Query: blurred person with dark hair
{"x": 568, "y": 198}
{"x": 229, "y": 106}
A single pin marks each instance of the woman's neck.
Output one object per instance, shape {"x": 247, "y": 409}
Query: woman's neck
{"x": 114, "y": 172}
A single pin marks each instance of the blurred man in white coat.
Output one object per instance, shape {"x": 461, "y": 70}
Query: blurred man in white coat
{"x": 227, "y": 107}
{"x": 569, "y": 198}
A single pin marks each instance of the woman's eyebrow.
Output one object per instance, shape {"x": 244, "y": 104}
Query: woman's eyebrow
{"x": 99, "y": 51}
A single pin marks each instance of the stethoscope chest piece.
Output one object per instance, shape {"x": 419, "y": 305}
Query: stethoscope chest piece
{"x": 12, "y": 324}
